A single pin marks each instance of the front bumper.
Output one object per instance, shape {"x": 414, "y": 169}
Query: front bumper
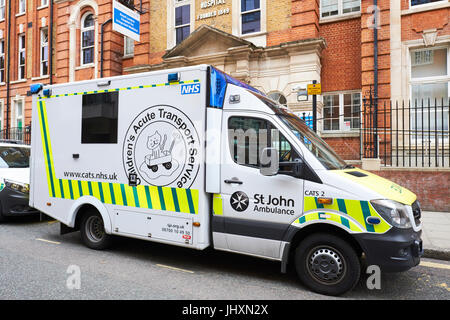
{"x": 394, "y": 251}
{"x": 15, "y": 203}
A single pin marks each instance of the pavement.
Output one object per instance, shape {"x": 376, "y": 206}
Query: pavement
{"x": 436, "y": 235}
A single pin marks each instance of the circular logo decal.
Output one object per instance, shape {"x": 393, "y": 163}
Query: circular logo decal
{"x": 162, "y": 148}
{"x": 239, "y": 201}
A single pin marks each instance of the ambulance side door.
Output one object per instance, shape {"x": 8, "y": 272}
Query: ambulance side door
{"x": 257, "y": 209}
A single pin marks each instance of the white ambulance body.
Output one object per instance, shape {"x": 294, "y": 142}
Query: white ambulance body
{"x": 160, "y": 156}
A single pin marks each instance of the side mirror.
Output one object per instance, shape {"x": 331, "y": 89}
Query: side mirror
{"x": 269, "y": 162}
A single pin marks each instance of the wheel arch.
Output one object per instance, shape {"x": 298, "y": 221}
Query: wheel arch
{"x": 85, "y": 204}
{"x": 295, "y": 235}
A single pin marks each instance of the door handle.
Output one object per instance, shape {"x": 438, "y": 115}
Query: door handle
{"x": 233, "y": 181}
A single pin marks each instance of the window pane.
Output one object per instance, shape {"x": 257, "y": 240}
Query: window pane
{"x": 329, "y": 8}
{"x": 251, "y": 22}
{"x": 88, "y": 21}
{"x": 88, "y": 55}
{"x": 351, "y": 6}
{"x": 99, "y": 118}
{"x": 182, "y": 33}
{"x": 182, "y": 15}
{"x": 44, "y": 68}
{"x": 88, "y": 38}
{"x": 429, "y": 63}
{"x": 430, "y": 91}
{"x": 247, "y": 137}
{"x": 247, "y": 5}
{"x": 417, "y": 2}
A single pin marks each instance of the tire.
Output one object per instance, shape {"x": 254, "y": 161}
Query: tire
{"x": 93, "y": 232}
{"x": 327, "y": 264}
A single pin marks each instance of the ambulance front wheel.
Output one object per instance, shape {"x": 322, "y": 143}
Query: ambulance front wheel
{"x": 93, "y": 232}
{"x": 327, "y": 264}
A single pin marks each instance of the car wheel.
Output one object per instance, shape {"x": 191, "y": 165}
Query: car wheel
{"x": 327, "y": 264}
{"x": 93, "y": 232}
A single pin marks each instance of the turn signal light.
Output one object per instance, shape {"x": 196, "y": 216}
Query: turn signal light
{"x": 196, "y": 224}
{"x": 325, "y": 200}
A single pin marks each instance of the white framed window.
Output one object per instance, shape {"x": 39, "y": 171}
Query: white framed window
{"x": 341, "y": 111}
{"x": 430, "y": 88}
{"x": 44, "y": 52}
{"x": 22, "y": 6}
{"x": 128, "y": 46}
{"x": 87, "y": 39}
{"x": 2, "y": 61}
{"x": 250, "y": 16}
{"x": 182, "y": 21}
{"x": 413, "y": 3}
{"x": 331, "y": 8}
{"x": 2, "y": 9}
{"x": 18, "y": 112}
{"x": 44, "y": 3}
{"x": 21, "y": 57}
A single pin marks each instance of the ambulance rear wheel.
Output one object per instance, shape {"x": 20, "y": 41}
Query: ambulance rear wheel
{"x": 93, "y": 232}
{"x": 327, "y": 264}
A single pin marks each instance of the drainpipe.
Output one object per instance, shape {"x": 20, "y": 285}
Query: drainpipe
{"x": 375, "y": 77}
{"x": 101, "y": 45}
{"x": 8, "y": 51}
{"x": 50, "y": 43}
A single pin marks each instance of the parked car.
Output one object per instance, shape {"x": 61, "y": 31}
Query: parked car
{"x": 14, "y": 180}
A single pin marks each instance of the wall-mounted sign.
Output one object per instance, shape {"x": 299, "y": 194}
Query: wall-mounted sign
{"x": 126, "y": 21}
{"x": 214, "y": 13}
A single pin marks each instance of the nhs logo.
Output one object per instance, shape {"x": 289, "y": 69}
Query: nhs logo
{"x": 190, "y": 88}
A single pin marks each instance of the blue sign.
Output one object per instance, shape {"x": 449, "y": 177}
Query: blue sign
{"x": 126, "y": 21}
{"x": 190, "y": 88}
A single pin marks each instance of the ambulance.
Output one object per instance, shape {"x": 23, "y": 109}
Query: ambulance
{"x": 195, "y": 158}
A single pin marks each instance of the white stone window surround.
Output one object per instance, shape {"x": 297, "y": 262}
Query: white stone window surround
{"x": 171, "y": 5}
{"x": 16, "y": 102}
{"x": 258, "y": 38}
{"x": 74, "y": 23}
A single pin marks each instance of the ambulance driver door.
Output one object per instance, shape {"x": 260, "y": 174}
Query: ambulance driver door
{"x": 257, "y": 209}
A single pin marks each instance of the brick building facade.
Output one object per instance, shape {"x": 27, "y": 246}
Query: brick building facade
{"x": 277, "y": 46}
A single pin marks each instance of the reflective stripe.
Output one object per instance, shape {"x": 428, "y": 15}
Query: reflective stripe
{"x": 217, "y": 205}
{"x": 149, "y": 197}
{"x": 166, "y": 84}
{"x": 353, "y": 214}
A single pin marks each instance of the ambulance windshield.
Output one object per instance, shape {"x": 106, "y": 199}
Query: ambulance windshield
{"x": 320, "y": 149}
{"x": 14, "y": 157}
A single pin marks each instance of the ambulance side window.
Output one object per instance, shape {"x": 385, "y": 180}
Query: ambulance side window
{"x": 99, "y": 118}
{"x": 249, "y": 136}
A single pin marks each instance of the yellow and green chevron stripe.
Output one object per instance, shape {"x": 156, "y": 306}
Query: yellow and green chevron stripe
{"x": 352, "y": 214}
{"x": 148, "y": 197}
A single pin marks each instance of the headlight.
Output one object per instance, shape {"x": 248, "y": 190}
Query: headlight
{"x": 18, "y": 186}
{"x": 394, "y": 212}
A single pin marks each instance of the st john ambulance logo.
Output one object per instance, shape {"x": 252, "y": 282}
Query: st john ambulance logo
{"x": 239, "y": 201}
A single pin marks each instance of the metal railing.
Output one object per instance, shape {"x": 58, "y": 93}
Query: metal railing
{"x": 17, "y": 135}
{"x": 407, "y": 133}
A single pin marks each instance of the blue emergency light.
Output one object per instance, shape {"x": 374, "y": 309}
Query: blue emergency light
{"x": 35, "y": 88}
{"x": 173, "y": 77}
